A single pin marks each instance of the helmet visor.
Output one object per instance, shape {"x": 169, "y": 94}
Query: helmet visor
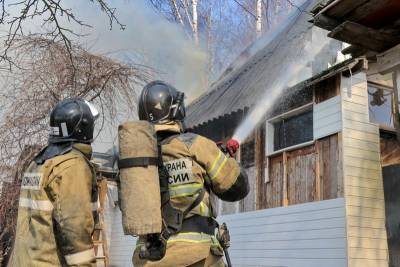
{"x": 93, "y": 110}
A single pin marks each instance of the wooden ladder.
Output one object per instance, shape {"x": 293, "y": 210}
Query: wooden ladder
{"x": 99, "y": 234}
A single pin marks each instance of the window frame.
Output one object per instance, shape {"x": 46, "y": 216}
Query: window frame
{"x": 270, "y": 130}
{"x": 382, "y": 87}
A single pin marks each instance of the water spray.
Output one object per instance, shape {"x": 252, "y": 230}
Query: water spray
{"x": 278, "y": 86}
{"x": 294, "y": 72}
{"x": 257, "y": 114}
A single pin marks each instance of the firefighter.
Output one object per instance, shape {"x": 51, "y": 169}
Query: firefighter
{"x": 58, "y": 199}
{"x": 197, "y": 168}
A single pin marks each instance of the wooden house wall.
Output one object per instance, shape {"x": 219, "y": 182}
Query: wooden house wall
{"x": 363, "y": 184}
{"x": 330, "y": 167}
{"x": 303, "y": 175}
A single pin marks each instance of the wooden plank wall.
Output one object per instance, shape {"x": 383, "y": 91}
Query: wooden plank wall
{"x": 363, "y": 184}
{"x": 274, "y": 188}
{"x": 313, "y": 173}
{"x": 305, "y": 235}
{"x": 301, "y": 176}
{"x": 330, "y": 165}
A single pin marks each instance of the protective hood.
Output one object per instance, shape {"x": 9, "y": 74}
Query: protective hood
{"x": 57, "y": 149}
{"x": 53, "y": 150}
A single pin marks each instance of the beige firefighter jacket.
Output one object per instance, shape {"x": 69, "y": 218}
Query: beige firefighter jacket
{"x": 56, "y": 213}
{"x": 193, "y": 161}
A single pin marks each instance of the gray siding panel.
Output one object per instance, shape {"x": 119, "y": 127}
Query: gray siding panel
{"x": 306, "y": 235}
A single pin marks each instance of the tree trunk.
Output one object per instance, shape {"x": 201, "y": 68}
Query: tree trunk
{"x": 195, "y": 27}
{"x": 258, "y": 18}
{"x": 176, "y": 11}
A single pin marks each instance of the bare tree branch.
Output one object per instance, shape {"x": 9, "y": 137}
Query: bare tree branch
{"x": 49, "y": 12}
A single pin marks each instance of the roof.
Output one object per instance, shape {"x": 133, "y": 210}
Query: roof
{"x": 240, "y": 88}
{"x": 370, "y": 26}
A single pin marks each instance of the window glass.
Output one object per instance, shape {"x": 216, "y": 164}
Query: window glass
{"x": 293, "y": 131}
{"x": 380, "y": 105}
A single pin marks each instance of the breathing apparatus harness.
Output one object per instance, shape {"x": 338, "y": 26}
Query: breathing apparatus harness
{"x": 173, "y": 219}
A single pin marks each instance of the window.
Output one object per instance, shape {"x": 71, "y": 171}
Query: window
{"x": 293, "y": 131}
{"x": 290, "y": 129}
{"x": 380, "y": 101}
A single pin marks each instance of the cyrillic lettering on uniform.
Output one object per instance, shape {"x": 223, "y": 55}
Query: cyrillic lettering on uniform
{"x": 31, "y": 181}
{"x": 180, "y": 171}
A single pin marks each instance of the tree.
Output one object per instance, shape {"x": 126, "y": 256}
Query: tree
{"x": 53, "y": 16}
{"x": 46, "y": 75}
{"x": 225, "y": 27}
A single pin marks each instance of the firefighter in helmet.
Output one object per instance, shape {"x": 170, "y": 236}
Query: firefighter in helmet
{"x": 208, "y": 171}
{"x": 57, "y": 205}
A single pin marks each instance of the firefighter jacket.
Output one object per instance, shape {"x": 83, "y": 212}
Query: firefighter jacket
{"x": 194, "y": 163}
{"x": 57, "y": 207}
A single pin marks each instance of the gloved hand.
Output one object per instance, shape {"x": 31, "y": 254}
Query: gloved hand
{"x": 232, "y": 146}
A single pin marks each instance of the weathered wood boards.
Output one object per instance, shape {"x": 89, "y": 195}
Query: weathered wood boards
{"x": 294, "y": 179}
{"x": 366, "y": 37}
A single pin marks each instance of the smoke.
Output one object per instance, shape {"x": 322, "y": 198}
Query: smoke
{"x": 294, "y": 71}
{"x": 148, "y": 39}
{"x": 283, "y": 22}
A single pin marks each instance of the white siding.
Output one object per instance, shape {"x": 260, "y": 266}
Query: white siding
{"x": 121, "y": 246}
{"x": 327, "y": 117}
{"x": 363, "y": 184}
{"x": 306, "y": 235}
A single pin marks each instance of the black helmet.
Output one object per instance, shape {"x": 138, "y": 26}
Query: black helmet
{"x": 72, "y": 120}
{"x": 160, "y": 102}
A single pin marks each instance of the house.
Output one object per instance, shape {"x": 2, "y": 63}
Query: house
{"x": 330, "y": 137}
{"x": 372, "y": 28}
{"x": 322, "y": 160}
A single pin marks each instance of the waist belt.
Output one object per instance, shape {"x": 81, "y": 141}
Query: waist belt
{"x": 199, "y": 224}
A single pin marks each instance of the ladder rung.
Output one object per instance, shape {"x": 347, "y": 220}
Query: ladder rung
{"x": 98, "y": 242}
{"x": 100, "y": 257}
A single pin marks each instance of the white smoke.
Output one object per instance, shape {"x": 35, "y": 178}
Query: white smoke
{"x": 148, "y": 39}
{"x": 294, "y": 71}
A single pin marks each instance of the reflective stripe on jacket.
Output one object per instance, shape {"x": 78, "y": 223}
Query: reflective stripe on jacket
{"x": 55, "y": 215}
